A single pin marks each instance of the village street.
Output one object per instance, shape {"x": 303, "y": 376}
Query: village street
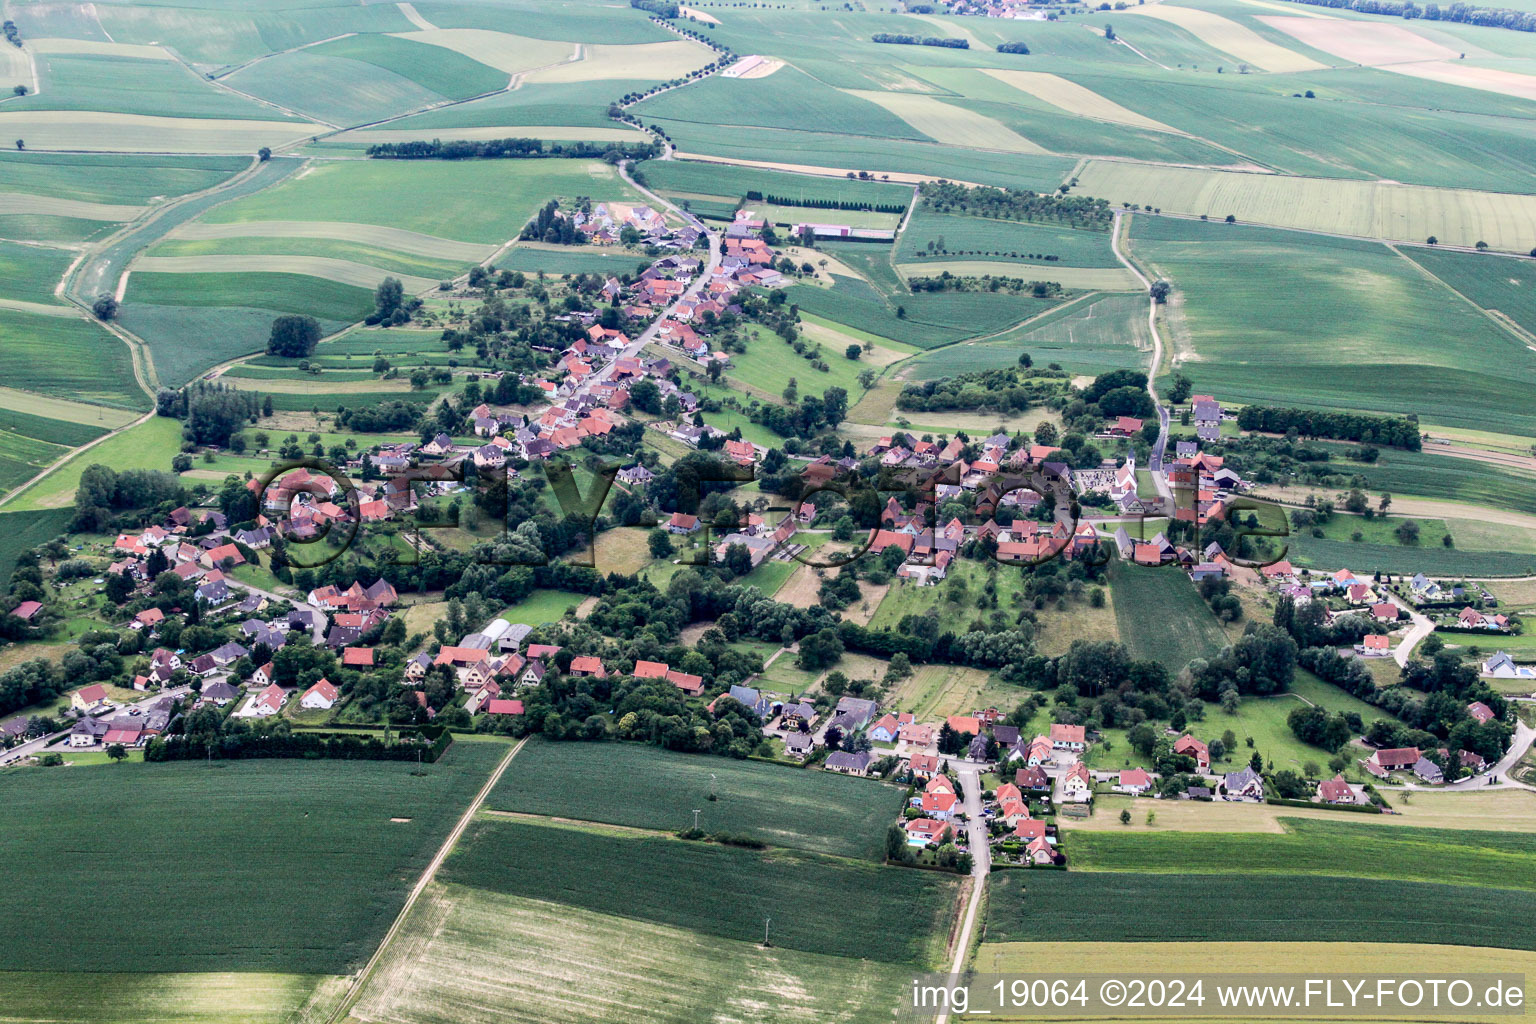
{"x": 1422, "y": 627}
{"x": 38, "y": 745}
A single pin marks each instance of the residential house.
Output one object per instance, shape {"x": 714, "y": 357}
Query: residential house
{"x": 924, "y": 766}
{"x": 1077, "y": 784}
{"x": 682, "y": 523}
{"x": 268, "y": 702}
{"x": 1374, "y": 645}
{"x": 1244, "y": 785}
{"x": 1481, "y": 712}
{"x": 849, "y": 764}
{"x": 1502, "y": 666}
{"x": 926, "y": 831}
{"x": 1069, "y": 737}
{"x": 1134, "y": 781}
{"x": 89, "y": 699}
{"x": 1427, "y": 770}
{"x": 799, "y": 745}
{"x": 1335, "y": 791}
{"x": 1388, "y": 759}
{"x": 588, "y": 666}
{"x": 1191, "y": 747}
{"x": 321, "y": 696}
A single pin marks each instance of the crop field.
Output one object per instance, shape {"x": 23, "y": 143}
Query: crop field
{"x": 1373, "y": 333}
{"x": 712, "y": 889}
{"x": 128, "y": 85}
{"x": 66, "y": 358}
{"x": 532, "y": 959}
{"x": 76, "y": 209}
{"x": 940, "y": 236}
{"x": 232, "y": 997}
{"x": 1073, "y": 98}
{"x": 1163, "y": 618}
{"x": 644, "y": 61}
{"x": 501, "y": 51}
{"x": 1427, "y": 556}
{"x": 334, "y": 91}
{"x": 1367, "y": 209}
{"x": 733, "y": 183}
{"x": 348, "y": 262}
{"x": 104, "y": 132}
{"x": 282, "y": 292}
{"x": 1426, "y": 474}
{"x": 950, "y": 124}
{"x": 326, "y": 268}
{"x": 486, "y": 201}
{"x": 803, "y": 810}
{"x": 1506, "y": 288}
{"x": 445, "y": 70}
{"x": 926, "y": 321}
{"x": 55, "y": 843}
{"x": 1156, "y": 907}
{"x": 1231, "y": 37}
{"x": 1314, "y": 847}
{"x": 1099, "y": 333}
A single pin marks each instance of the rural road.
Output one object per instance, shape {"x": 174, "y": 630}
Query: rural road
{"x": 356, "y": 989}
{"x": 1160, "y": 446}
{"x": 981, "y": 865}
{"x": 1422, "y": 627}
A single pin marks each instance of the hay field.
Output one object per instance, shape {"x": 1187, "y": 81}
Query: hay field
{"x": 380, "y": 235}
{"x": 649, "y": 61}
{"x": 469, "y": 956}
{"x": 950, "y": 124}
{"x": 1361, "y": 42}
{"x": 1368, "y": 209}
{"x": 56, "y": 206}
{"x": 934, "y": 692}
{"x": 329, "y": 268}
{"x": 500, "y": 50}
{"x": 1088, "y": 279}
{"x": 1228, "y": 36}
{"x": 96, "y": 132}
{"x": 1075, "y": 99}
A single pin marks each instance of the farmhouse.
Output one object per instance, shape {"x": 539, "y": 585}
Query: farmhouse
{"x": 1191, "y": 747}
{"x": 1335, "y": 791}
{"x": 1388, "y": 759}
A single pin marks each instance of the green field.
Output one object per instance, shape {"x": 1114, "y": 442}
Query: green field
{"x": 118, "y": 179}
{"x": 1162, "y": 616}
{"x": 67, "y": 358}
{"x": 127, "y": 86}
{"x": 802, "y": 810}
{"x": 1504, "y": 286}
{"x": 711, "y": 889}
{"x": 1309, "y": 320}
{"x": 1152, "y": 907}
{"x": 237, "y": 905}
{"x": 446, "y": 72}
{"x": 730, "y": 182}
{"x": 22, "y": 530}
{"x": 473, "y": 200}
{"x": 1099, "y": 333}
{"x": 285, "y": 293}
{"x": 927, "y": 321}
{"x": 232, "y": 997}
{"x": 1501, "y": 860}
{"x": 944, "y": 236}
{"x": 1428, "y": 475}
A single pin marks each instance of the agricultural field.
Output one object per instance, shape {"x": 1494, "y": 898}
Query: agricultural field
{"x": 1162, "y": 616}
{"x": 527, "y": 955}
{"x": 1091, "y": 335}
{"x": 1160, "y": 907}
{"x": 783, "y": 807}
{"x": 1372, "y": 335}
{"x": 1496, "y": 810}
{"x": 54, "y": 842}
{"x": 712, "y": 889}
{"x": 1312, "y": 846}
{"x": 946, "y": 237}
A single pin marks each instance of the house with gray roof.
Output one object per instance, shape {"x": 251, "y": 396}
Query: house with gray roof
{"x": 849, "y": 764}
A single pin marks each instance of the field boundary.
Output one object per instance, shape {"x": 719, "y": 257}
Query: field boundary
{"x": 356, "y": 989}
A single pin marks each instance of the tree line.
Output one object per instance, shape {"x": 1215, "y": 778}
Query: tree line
{"x": 905, "y": 40}
{"x": 511, "y": 149}
{"x": 1395, "y": 431}
{"x": 1016, "y": 204}
{"x": 754, "y": 196}
{"x": 1470, "y": 14}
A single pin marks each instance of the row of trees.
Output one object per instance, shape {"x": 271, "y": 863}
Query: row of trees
{"x": 906, "y": 40}
{"x": 1016, "y": 204}
{"x": 511, "y": 149}
{"x": 1470, "y": 14}
{"x": 1394, "y": 431}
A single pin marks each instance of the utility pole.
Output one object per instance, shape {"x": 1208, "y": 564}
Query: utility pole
{"x": 695, "y": 819}
{"x": 766, "y": 922}
{"x": 711, "y": 785}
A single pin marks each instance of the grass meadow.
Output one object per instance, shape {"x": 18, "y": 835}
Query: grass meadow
{"x": 1090, "y": 336}
{"x": 67, "y": 358}
{"x": 311, "y": 890}
{"x": 784, "y": 807}
{"x": 1222, "y": 908}
{"x": 733, "y": 183}
{"x": 1025, "y": 243}
{"x": 712, "y": 889}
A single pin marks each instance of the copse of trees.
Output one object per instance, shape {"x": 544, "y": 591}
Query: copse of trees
{"x": 103, "y": 491}
{"x": 1013, "y": 47}
{"x": 1004, "y": 390}
{"x": 755, "y": 196}
{"x": 1394, "y": 431}
{"x": 906, "y": 40}
{"x": 1016, "y": 204}
{"x": 212, "y": 412}
{"x": 548, "y": 225}
{"x": 293, "y": 336}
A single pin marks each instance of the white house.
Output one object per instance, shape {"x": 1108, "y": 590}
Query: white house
{"x": 321, "y": 696}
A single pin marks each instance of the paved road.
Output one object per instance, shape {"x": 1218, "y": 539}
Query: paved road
{"x": 981, "y": 860}
{"x": 1422, "y": 627}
